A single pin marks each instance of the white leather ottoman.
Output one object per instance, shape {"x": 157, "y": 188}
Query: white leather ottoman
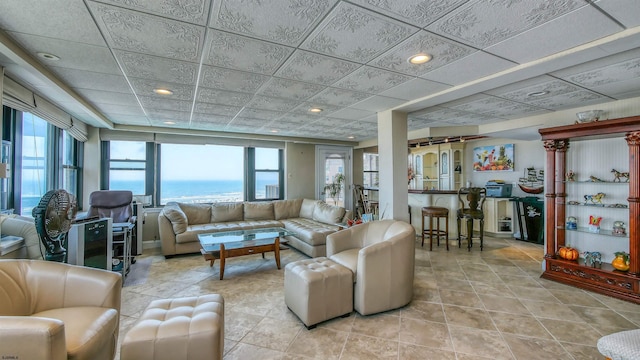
{"x": 181, "y": 328}
{"x": 623, "y": 345}
{"x": 318, "y": 289}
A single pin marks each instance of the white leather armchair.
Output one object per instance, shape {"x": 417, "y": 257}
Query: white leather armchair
{"x": 381, "y": 256}
{"x": 57, "y": 311}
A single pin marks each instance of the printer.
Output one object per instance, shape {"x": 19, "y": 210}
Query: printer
{"x": 498, "y": 188}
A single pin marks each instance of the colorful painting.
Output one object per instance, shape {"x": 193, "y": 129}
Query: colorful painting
{"x": 493, "y": 158}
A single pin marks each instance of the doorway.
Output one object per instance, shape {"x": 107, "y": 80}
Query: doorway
{"x": 333, "y": 175}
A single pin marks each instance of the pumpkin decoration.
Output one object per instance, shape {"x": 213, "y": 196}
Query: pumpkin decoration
{"x": 568, "y": 253}
{"x": 621, "y": 261}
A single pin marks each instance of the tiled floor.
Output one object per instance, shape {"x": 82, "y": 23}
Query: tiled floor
{"x": 467, "y": 305}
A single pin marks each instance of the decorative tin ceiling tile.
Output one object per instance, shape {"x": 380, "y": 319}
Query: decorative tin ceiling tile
{"x": 281, "y": 126}
{"x": 167, "y": 115}
{"x": 230, "y": 51}
{"x": 260, "y": 114}
{"x": 298, "y": 118}
{"x": 206, "y": 125}
{"x": 216, "y": 109}
{"x": 356, "y": 34}
{"x": 339, "y": 97}
{"x": 282, "y": 21}
{"x": 289, "y": 89}
{"x": 109, "y": 97}
{"x": 134, "y": 31}
{"x": 371, "y": 80}
{"x": 239, "y": 122}
{"x": 443, "y": 52}
{"x": 304, "y": 107}
{"x": 417, "y": 12}
{"x": 114, "y": 110}
{"x": 193, "y": 11}
{"x": 352, "y": 114}
{"x": 496, "y": 107}
{"x": 144, "y": 87}
{"x": 223, "y": 97}
{"x": 271, "y": 103}
{"x": 219, "y": 120}
{"x": 622, "y": 71}
{"x": 477, "y": 23}
{"x": 157, "y": 103}
{"x": 314, "y": 68}
{"x": 152, "y": 67}
{"x": 93, "y": 80}
{"x": 226, "y": 79}
{"x": 529, "y": 94}
{"x": 573, "y": 99}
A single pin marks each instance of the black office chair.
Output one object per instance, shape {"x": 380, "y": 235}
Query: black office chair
{"x": 471, "y": 205}
{"x": 117, "y": 205}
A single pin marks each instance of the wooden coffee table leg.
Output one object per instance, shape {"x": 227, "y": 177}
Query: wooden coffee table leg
{"x": 222, "y": 254}
{"x": 276, "y": 251}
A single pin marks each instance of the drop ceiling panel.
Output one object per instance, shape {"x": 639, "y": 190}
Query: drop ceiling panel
{"x": 150, "y": 103}
{"x": 145, "y": 87}
{"x": 339, "y": 97}
{"x": 371, "y": 80}
{"x": 378, "y": 103}
{"x": 72, "y": 55}
{"x": 416, "y": 12}
{"x": 215, "y": 109}
{"x": 474, "y": 66}
{"x": 108, "y": 97}
{"x": 157, "y": 68}
{"x": 351, "y": 114}
{"x": 625, "y": 11}
{"x": 304, "y": 107}
{"x": 578, "y": 27}
{"x": 168, "y": 115}
{"x": 415, "y": 88}
{"x": 272, "y": 103}
{"x": 219, "y": 120}
{"x": 227, "y": 79}
{"x": 230, "y": 51}
{"x": 260, "y": 114}
{"x": 474, "y": 23}
{"x": 92, "y": 80}
{"x": 193, "y": 11}
{"x": 223, "y": 97}
{"x": 353, "y": 33}
{"x": 314, "y": 68}
{"x": 60, "y": 19}
{"x": 114, "y": 110}
{"x": 135, "y": 31}
{"x": 289, "y": 89}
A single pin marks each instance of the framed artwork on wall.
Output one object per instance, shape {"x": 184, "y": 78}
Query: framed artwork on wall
{"x": 493, "y": 158}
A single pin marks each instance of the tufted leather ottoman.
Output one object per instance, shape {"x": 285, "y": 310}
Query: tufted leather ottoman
{"x": 623, "y": 345}
{"x": 318, "y": 289}
{"x": 182, "y": 328}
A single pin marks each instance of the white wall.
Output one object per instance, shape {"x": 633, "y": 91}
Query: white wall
{"x": 300, "y": 170}
{"x": 91, "y": 166}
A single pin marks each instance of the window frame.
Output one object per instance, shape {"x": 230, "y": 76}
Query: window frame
{"x": 252, "y": 172}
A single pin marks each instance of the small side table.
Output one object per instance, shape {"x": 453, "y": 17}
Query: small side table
{"x": 10, "y": 243}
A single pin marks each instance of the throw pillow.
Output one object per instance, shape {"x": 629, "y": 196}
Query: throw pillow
{"x": 197, "y": 213}
{"x": 223, "y": 212}
{"x": 177, "y": 217}
{"x": 287, "y": 209}
{"x": 258, "y": 211}
{"x": 306, "y": 209}
{"x": 328, "y": 214}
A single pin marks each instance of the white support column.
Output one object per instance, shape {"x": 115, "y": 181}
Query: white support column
{"x": 393, "y": 165}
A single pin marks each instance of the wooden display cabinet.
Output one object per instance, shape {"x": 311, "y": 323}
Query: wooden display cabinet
{"x": 606, "y": 280}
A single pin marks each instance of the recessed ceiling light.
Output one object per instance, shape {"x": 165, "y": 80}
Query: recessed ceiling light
{"x": 419, "y": 59}
{"x": 315, "y": 110}
{"x": 274, "y": 131}
{"x": 48, "y": 56}
{"x": 170, "y": 122}
{"x": 160, "y": 91}
{"x": 537, "y": 93}
{"x": 351, "y": 137}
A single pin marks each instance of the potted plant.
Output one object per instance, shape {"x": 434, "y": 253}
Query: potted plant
{"x": 334, "y": 188}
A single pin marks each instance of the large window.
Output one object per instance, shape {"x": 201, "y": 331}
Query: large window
{"x": 127, "y": 166}
{"x": 201, "y": 173}
{"x": 265, "y": 166}
{"x": 71, "y": 164}
{"x": 34, "y": 162}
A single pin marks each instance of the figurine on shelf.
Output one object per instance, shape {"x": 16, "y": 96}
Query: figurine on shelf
{"x": 621, "y": 261}
{"x": 595, "y": 198}
{"x": 570, "y": 176}
{"x": 593, "y": 259}
{"x": 619, "y": 229}
{"x": 594, "y": 223}
{"x": 595, "y": 179}
{"x": 572, "y": 223}
{"x": 618, "y": 175}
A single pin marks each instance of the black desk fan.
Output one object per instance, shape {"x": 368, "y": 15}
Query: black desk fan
{"x": 53, "y": 217}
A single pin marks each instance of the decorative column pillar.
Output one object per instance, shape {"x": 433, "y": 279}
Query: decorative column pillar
{"x": 633, "y": 141}
{"x": 393, "y": 165}
{"x": 550, "y": 209}
{"x": 560, "y": 189}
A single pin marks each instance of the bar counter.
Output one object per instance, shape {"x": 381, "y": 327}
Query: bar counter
{"x": 444, "y": 198}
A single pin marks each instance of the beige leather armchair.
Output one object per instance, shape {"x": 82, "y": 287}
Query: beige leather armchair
{"x": 54, "y": 311}
{"x": 381, "y": 255}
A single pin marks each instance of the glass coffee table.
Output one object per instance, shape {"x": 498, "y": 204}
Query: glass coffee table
{"x": 226, "y": 244}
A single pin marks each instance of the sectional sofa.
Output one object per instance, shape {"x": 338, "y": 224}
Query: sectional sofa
{"x": 310, "y": 220}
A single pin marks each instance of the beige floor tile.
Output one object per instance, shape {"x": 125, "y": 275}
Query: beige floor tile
{"x": 469, "y": 317}
{"x": 492, "y": 288}
{"x": 533, "y": 293}
{"x": 527, "y": 348}
{"x": 415, "y": 352}
{"x": 573, "y": 332}
{"x": 551, "y": 310}
{"x": 365, "y": 347}
{"x": 422, "y": 310}
{"x": 319, "y": 343}
{"x": 502, "y": 303}
{"x": 461, "y": 298}
{"x": 425, "y": 333}
{"x": 381, "y": 326}
{"x": 576, "y": 298}
{"x": 478, "y": 342}
{"x": 238, "y": 324}
{"x": 583, "y": 352}
{"x": 519, "y": 325}
{"x": 273, "y": 334}
{"x": 606, "y": 321}
{"x": 244, "y": 351}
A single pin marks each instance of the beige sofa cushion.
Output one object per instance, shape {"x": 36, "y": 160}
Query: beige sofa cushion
{"x": 328, "y": 214}
{"x": 223, "y": 212}
{"x": 197, "y": 213}
{"x": 178, "y": 218}
{"x": 258, "y": 211}
{"x": 287, "y": 209}
{"x": 307, "y": 207}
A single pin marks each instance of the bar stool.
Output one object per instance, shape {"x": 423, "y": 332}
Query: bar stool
{"x": 435, "y": 212}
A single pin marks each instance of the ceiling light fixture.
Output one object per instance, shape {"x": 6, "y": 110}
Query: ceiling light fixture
{"x": 419, "y": 59}
{"x": 351, "y": 137}
{"x": 315, "y": 110}
{"x": 48, "y": 56}
{"x": 274, "y": 131}
{"x": 537, "y": 93}
{"x": 461, "y": 139}
{"x": 170, "y": 122}
{"x": 161, "y": 91}
{"x": 446, "y": 140}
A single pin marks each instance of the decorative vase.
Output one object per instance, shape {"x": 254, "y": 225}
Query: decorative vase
{"x": 621, "y": 261}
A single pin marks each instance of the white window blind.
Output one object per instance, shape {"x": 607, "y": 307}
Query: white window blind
{"x": 163, "y": 138}
{"x": 20, "y": 98}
